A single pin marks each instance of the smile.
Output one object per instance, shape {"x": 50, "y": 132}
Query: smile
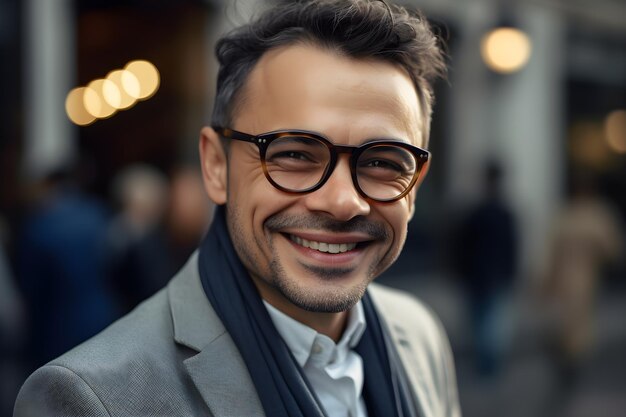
{"x": 323, "y": 246}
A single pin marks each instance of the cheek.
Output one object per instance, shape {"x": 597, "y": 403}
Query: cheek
{"x": 244, "y": 198}
{"x": 397, "y": 217}
{"x": 255, "y": 200}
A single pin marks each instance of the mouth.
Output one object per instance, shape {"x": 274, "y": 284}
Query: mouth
{"x": 324, "y": 247}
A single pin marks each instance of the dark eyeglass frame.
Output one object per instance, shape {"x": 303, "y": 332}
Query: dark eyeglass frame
{"x": 263, "y": 140}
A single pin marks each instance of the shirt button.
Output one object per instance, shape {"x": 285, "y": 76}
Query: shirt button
{"x": 317, "y": 348}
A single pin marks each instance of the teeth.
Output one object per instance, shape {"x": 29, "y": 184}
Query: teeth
{"x": 323, "y": 246}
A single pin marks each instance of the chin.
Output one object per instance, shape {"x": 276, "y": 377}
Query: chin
{"x": 322, "y": 297}
{"x": 335, "y": 303}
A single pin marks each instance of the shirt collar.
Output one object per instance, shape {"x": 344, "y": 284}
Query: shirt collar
{"x": 301, "y": 339}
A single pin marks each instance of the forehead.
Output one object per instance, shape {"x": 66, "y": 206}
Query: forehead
{"x": 349, "y": 100}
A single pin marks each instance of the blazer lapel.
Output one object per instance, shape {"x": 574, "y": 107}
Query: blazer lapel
{"x": 217, "y": 370}
{"x": 222, "y": 378}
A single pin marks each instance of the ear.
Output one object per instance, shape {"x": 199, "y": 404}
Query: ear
{"x": 413, "y": 192}
{"x": 214, "y": 165}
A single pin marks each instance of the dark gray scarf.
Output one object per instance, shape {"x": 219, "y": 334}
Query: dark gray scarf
{"x": 280, "y": 382}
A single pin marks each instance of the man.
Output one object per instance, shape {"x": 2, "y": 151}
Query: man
{"x": 316, "y": 150}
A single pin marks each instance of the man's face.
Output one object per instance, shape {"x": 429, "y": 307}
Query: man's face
{"x": 285, "y": 241}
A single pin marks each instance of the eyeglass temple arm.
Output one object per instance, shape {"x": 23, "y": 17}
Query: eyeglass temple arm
{"x": 233, "y": 134}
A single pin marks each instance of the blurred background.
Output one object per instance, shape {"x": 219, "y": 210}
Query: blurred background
{"x": 518, "y": 240}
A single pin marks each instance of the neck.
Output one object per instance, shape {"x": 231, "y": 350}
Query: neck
{"x": 329, "y": 324}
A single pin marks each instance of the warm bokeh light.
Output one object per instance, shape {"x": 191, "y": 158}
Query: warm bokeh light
{"x": 118, "y": 77}
{"x": 506, "y": 50}
{"x": 95, "y": 102}
{"x": 615, "y": 130}
{"x": 130, "y": 84}
{"x": 111, "y": 93}
{"x": 75, "y": 107}
{"x": 91, "y": 101}
{"x": 120, "y": 90}
{"x": 147, "y": 75}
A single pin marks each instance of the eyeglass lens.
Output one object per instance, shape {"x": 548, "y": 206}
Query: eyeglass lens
{"x": 297, "y": 163}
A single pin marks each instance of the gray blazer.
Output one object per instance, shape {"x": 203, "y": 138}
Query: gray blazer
{"x": 172, "y": 356}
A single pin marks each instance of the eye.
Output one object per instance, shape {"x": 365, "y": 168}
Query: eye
{"x": 387, "y": 161}
{"x": 382, "y": 164}
{"x": 296, "y": 149}
{"x": 292, "y": 155}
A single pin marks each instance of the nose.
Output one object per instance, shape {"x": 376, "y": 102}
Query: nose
{"x": 338, "y": 197}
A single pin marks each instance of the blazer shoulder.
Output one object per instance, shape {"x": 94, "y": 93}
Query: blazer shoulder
{"x": 142, "y": 331}
{"x": 54, "y": 390}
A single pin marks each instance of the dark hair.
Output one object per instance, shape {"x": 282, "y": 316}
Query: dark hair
{"x": 355, "y": 28}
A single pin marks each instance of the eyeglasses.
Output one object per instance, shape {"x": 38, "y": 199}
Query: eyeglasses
{"x": 299, "y": 162}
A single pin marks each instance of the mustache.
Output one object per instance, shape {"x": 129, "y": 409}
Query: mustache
{"x": 281, "y": 221}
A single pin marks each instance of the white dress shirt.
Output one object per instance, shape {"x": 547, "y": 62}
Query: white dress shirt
{"x": 334, "y": 370}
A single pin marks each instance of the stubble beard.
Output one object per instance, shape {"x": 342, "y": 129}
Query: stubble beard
{"x": 329, "y": 299}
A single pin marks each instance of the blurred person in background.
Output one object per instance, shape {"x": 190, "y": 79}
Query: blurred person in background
{"x": 140, "y": 193}
{"x": 587, "y": 236}
{"x": 276, "y": 314}
{"x": 486, "y": 256}
{"x": 179, "y": 217}
{"x": 61, "y": 266}
{"x": 141, "y": 196}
